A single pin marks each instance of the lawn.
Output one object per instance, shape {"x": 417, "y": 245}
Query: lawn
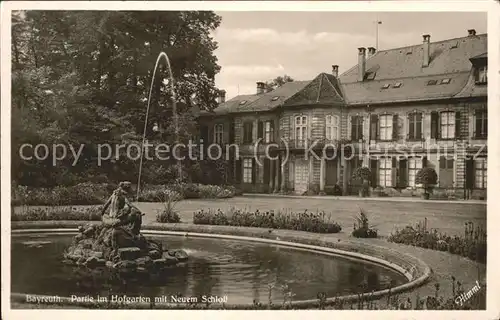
{"x": 386, "y": 216}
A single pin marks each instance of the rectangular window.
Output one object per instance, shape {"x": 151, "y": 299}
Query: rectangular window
{"x": 385, "y": 172}
{"x": 447, "y": 121}
{"x": 356, "y": 128}
{"x": 300, "y": 130}
{"x": 247, "y": 170}
{"x": 269, "y": 131}
{"x": 480, "y": 171}
{"x": 332, "y": 127}
{"x": 481, "y": 124}
{"x": 415, "y": 126}
{"x": 414, "y": 164}
{"x": 219, "y": 133}
{"x": 385, "y": 128}
{"x": 481, "y": 75}
{"x": 248, "y": 132}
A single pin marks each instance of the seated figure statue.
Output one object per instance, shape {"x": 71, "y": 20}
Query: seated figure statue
{"x": 123, "y": 216}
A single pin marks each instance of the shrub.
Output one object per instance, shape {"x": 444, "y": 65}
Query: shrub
{"x": 362, "y": 173}
{"x": 169, "y": 214}
{"x": 91, "y": 194}
{"x": 57, "y": 213}
{"x": 472, "y": 245}
{"x": 80, "y": 194}
{"x": 362, "y": 176}
{"x": 304, "y": 221}
{"x": 336, "y": 190}
{"x": 427, "y": 177}
{"x": 362, "y": 228}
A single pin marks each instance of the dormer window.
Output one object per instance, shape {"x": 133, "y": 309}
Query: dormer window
{"x": 243, "y": 102}
{"x": 275, "y": 98}
{"x": 386, "y": 86}
{"x": 481, "y": 75}
{"x": 397, "y": 85}
{"x": 445, "y": 81}
{"x": 431, "y": 82}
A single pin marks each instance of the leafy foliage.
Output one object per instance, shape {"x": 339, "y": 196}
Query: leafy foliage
{"x": 362, "y": 229}
{"x": 426, "y": 177}
{"x": 317, "y": 222}
{"x": 58, "y": 213}
{"x": 471, "y": 245}
{"x": 83, "y": 78}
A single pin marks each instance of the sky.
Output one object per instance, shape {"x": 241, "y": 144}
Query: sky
{"x": 259, "y": 46}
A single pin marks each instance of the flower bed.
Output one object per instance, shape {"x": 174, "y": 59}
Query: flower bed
{"x": 472, "y": 245}
{"x": 90, "y": 193}
{"x": 58, "y": 213}
{"x": 317, "y": 222}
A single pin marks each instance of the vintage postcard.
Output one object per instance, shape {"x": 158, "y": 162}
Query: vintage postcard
{"x": 258, "y": 156}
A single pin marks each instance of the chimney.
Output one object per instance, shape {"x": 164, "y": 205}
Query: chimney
{"x": 371, "y": 51}
{"x": 427, "y": 50}
{"x": 361, "y": 63}
{"x": 261, "y": 87}
{"x": 472, "y": 32}
{"x": 221, "y": 98}
{"x": 335, "y": 70}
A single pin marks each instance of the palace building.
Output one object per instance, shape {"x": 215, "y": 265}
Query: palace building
{"x": 395, "y": 112}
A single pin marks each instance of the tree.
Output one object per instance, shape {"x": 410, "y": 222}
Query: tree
{"x": 277, "y": 82}
{"x": 83, "y": 77}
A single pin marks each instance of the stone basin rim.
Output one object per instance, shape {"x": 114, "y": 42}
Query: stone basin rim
{"x": 310, "y": 303}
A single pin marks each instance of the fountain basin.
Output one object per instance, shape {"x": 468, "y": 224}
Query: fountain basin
{"x": 406, "y": 282}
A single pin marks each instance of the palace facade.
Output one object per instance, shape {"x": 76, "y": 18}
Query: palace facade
{"x": 396, "y": 111}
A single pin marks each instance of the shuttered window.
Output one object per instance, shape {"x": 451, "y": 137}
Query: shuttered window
{"x": 248, "y": 170}
{"x": 219, "y": 133}
{"x": 385, "y": 172}
{"x": 480, "y": 170}
{"x": 356, "y": 128}
{"x": 385, "y": 127}
{"x": 481, "y": 124}
{"x": 248, "y": 132}
{"x": 447, "y": 125}
{"x": 332, "y": 127}
{"x": 414, "y": 164}
{"x": 269, "y": 131}
{"x": 415, "y": 126}
{"x": 300, "y": 130}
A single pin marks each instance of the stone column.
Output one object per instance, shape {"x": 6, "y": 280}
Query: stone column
{"x": 322, "y": 175}
{"x": 344, "y": 176}
{"x": 276, "y": 176}
{"x": 282, "y": 189}
{"x": 271, "y": 176}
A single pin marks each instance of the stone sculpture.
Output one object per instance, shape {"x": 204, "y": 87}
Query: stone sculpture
{"x": 117, "y": 242}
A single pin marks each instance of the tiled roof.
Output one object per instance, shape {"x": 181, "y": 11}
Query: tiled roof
{"x": 472, "y": 90}
{"x": 260, "y": 102}
{"x": 324, "y": 89}
{"x": 448, "y": 59}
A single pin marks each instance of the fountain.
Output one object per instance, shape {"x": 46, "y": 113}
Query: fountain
{"x": 117, "y": 241}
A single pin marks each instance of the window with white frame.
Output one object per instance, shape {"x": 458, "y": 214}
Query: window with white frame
{"x": 385, "y": 127}
{"x": 300, "y": 129}
{"x": 482, "y": 75}
{"x": 247, "y": 170}
{"x": 268, "y": 132}
{"x": 332, "y": 127}
{"x": 414, "y": 164}
{"x": 481, "y": 124}
{"x": 219, "y": 133}
{"x": 447, "y": 120}
{"x": 480, "y": 171}
{"x": 385, "y": 172}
